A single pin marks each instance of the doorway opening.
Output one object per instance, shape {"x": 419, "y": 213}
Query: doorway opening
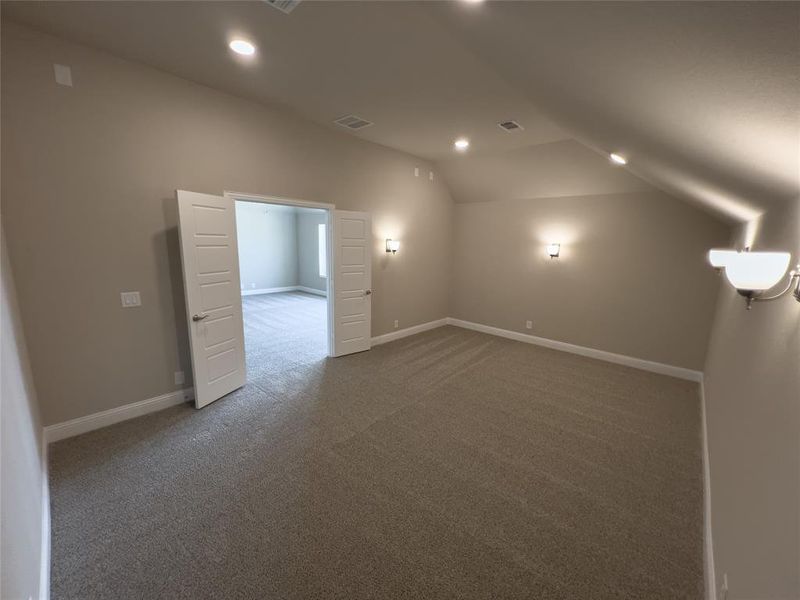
{"x": 284, "y": 270}
{"x": 207, "y": 226}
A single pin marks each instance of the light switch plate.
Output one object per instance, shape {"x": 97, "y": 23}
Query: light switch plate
{"x": 63, "y": 74}
{"x": 130, "y": 299}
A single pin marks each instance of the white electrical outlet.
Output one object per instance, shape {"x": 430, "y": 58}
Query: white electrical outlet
{"x": 396, "y": 323}
{"x": 179, "y": 378}
{"x": 252, "y": 286}
{"x": 430, "y": 175}
{"x": 528, "y": 324}
{"x": 416, "y": 171}
{"x": 130, "y": 299}
{"x": 724, "y": 589}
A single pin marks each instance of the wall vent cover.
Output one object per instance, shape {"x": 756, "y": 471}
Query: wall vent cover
{"x": 353, "y": 122}
{"x": 510, "y": 126}
{"x": 285, "y": 6}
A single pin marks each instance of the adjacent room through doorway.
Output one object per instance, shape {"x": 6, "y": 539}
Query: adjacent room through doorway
{"x": 283, "y": 267}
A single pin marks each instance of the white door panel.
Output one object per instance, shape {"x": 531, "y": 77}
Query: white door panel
{"x": 207, "y": 226}
{"x": 352, "y": 307}
{"x": 352, "y": 264}
{"x": 352, "y": 256}
{"x": 213, "y": 259}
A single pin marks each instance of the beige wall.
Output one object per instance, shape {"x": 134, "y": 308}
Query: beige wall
{"x": 632, "y": 276}
{"x": 89, "y": 177}
{"x": 267, "y": 238}
{"x": 308, "y": 250}
{"x": 752, "y": 390}
{"x": 89, "y": 180}
{"x": 22, "y": 466}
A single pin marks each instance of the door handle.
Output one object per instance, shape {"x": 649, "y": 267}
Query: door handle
{"x": 367, "y": 292}
{"x": 199, "y": 317}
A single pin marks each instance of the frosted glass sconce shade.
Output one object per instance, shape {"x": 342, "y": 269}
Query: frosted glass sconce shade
{"x": 718, "y": 257}
{"x": 756, "y": 271}
{"x": 753, "y": 273}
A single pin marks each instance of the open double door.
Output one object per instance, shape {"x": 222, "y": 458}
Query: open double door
{"x": 210, "y": 258}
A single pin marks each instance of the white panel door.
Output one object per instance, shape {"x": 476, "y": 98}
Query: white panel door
{"x": 352, "y": 265}
{"x": 207, "y": 226}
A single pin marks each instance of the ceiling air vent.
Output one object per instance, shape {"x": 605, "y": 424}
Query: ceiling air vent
{"x": 353, "y": 122}
{"x": 510, "y": 126}
{"x": 285, "y": 6}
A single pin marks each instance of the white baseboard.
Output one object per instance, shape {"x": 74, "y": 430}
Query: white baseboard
{"x": 44, "y": 567}
{"x": 637, "y": 363}
{"x": 630, "y": 361}
{"x": 401, "y": 333}
{"x": 289, "y": 288}
{"x": 308, "y": 290}
{"x": 275, "y": 290}
{"x": 60, "y": 431}
{"x": 708, "y": 541}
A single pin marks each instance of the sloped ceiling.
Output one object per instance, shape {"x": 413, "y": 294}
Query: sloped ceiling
{"x": 702, "y": 97}
{"x": 391, "y": 63}
{"x": 566, "y": 168}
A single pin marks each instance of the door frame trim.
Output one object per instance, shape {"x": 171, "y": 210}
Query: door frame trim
{"x": 277, "y": 200}
{"x": 329, "y": 221}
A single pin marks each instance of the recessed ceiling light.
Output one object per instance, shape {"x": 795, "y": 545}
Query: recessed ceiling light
{"x": 620, "y": 160}
{"x": 242, "y": 47}
{"x": 461, "y": 144}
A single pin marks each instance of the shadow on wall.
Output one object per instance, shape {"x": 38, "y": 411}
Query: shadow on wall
{"x": 169, "y": 239}
{"x": 752, "y": 377}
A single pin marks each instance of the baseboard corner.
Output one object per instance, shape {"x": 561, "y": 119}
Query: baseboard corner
{"x": 73, "y": 427}
{"x": 413, "y": 330}
{"x": 310, "y": 290}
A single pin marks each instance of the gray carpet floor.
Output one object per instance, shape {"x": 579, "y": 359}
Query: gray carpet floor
{"x": 450, "y": 464}
{"x": 283, "y": 330}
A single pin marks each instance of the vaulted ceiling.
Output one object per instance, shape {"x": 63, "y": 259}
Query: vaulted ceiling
{"x": 702, "y": 97}
{"x": 388, "y": 62}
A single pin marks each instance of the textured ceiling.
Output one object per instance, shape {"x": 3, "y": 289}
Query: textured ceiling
{"x": 703, "y": 97}
{"x": 566, "y": 168}
{"x": 388, "y": 62}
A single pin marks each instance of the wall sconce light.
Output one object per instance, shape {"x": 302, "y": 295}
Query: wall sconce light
{"x": 753, "y": 273}
{"x": 718, "y": 257}
{"x": 392, "y": 246}
{"x": 553, "y": 250}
